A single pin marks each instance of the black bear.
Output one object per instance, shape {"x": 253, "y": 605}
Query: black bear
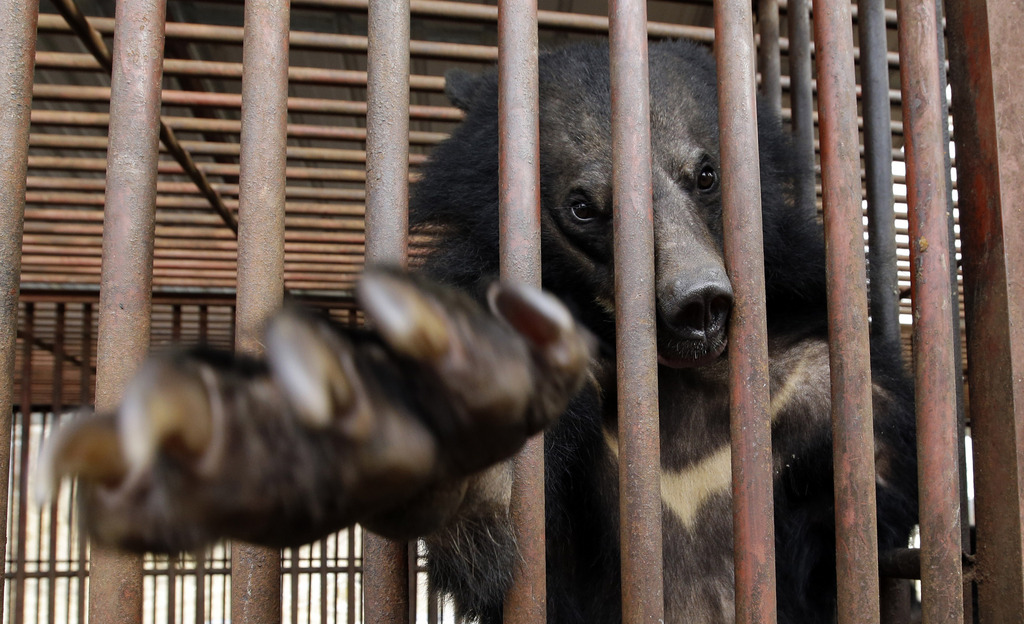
{"x": 406, "y": 428}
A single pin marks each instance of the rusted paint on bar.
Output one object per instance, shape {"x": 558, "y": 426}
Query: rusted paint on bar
{"x": 849, "y": 350}
{"x": 115, "y": 584}
{"x": 255, "y": 570}
{"x": 874, "y": 72}
{"x": 986, "y": 54}
{"x": 750, "y": 425}
{"x": 635, "y": 353}
{"x": 519, "y": 210}
{"x": 17, "y": 52}
{"x": 769, "y": 63}
{"x": 934, "y": 364}
{"x": 801, "y": 97}
{"x": 385, "y": 569}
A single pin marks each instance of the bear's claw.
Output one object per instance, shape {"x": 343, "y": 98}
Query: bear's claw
{"x": 332, "y": 428}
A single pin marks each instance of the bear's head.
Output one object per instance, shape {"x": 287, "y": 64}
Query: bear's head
{"x": 459, "y": 193}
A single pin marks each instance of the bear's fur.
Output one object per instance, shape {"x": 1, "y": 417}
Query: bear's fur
{"x": 458, "y": 196}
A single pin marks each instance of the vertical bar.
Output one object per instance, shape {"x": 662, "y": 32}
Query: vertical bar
{"x": 895, "y": 601}
{"x": 635, "y": 351}
{"x": 985, "y": 55}
{"x": 56, "y": 407}
{"x": 204, "y": 324}
{"x": 84, "y": 398}
{"x": 21, "y": 551}
{"x": 176, "y": 323}
{"x": 519, "y": 214}
{"x": 750, "y": 426}
{"x": 801, "y": 98}
{"x": 115, "y": 579}
{"x": 954, "y": 312}
{"x": 849, "y": 348}
{"x": 769, "y": 63}
{"x": 256, "y": 570}
{"x": 874, "y": 79}
{"x": 350, "y": 576}
{"x": 934, "y": 362}
{"x": 17, "y": 58}
{"x": 385, "y": 565}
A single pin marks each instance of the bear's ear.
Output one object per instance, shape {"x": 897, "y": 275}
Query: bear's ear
{"x": 460, "y": 86}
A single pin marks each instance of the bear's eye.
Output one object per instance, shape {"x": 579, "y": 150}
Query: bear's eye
{"x": 707, "y": 179}
{"x": 583, "y": 209}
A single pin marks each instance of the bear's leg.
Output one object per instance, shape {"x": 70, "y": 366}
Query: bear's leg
{"x": 386, "y": 427}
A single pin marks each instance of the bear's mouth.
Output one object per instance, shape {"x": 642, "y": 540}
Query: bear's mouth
{"x": 676, "y": 353}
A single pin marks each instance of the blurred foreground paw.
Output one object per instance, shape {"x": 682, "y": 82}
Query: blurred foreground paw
{"x": 332, "y": 427}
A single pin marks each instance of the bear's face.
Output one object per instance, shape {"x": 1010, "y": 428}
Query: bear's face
{"x": 693, "y": 292}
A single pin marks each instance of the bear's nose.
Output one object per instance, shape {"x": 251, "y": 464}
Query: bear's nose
{"x": 702, "y": 311}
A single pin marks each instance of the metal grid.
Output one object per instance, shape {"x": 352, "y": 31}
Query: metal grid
{"x": 198, "y": 194}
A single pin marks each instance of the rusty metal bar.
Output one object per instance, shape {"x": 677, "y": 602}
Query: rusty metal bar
{"x": 223, "y": 69}
{"x": 934, "y": 360}
{"x": 769, "y": 63}
{"x": 255, "y": 570}
{"x": 194, "y": 124}
{"x": 56, "y": 407}
{"x": 874, "y": 72}
{"x": 519, "y": 214}
{"x": 547, "y": 19}
{"x": 234, "y": 100}
{"x": 93, "y": 41}
{"x": 25, "y": 408}
{"x": 85, "y": 399}
{"x": 801, "y": 98}
{"x": 750, "y": 425}
{"x": 385, "y": 564}
{"x": 985, "y": 56}
{"x": 635, "y": 351}
{"x": 956, "y": 312}
{"x": 849, "y": 348}
{"x": 17, "y": 51}
{"x": 895, "y": 601}
{"x": 115, "y": 585}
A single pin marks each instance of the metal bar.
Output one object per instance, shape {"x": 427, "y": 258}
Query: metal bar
{"x": 350, "y": 572}
{"x": 985, "y": 56}
{"x": 93, "y": 41}
{"x": 17, "y": 50}
{"x": 385, "y": 562}
{"x": 85, "y": 399}
{"x": 955, "y": 311}
{"x": 895, "y": 600}
{"x": 849, "y": 346}
{"x": 548, "y": 19}
{"x": 750, "y": 425}
{"x": 194, "y": 124}
{"x": 25, "y": 409}
{"x": 115, "y": 585}
{"x": 769, "y": 63}
{"x": 256, "y": 570}
{"x": 874, "y": 72}
{"x": 234, "y": 100}
{"x": 223, "y": 69}
{"x": 56, "y": 407}
{"x": 801, "y": 98}
{"x": 934, "y": 360}
{"x": 354, "y": 43}
{"x": 519, "y": 244}
{"x": 635, "y": 352}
